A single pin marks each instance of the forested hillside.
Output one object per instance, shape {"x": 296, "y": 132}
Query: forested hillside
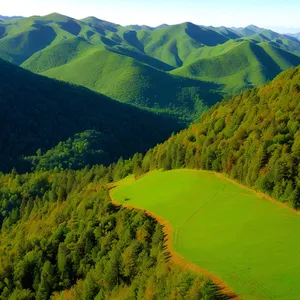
{"x": 179, "y": 70}
{"x": 240, "y": 65}
{"x": 38, "y": 113}
{"x": 253, "y": 137}
{"x": 87, "y": 103}
{"x": 61, "y": 236}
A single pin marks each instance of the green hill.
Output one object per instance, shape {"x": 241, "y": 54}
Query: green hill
{"x": 61, "y": 238}
{"x": 242, "y": 65}
{"x": 138, "y": 84}
{"x": 218, "y": 226}
{"x": 24, "y": 37}
{"x": 57, "y": 55}
{"x": 38, "y": 113}
{"x": 61, "y": 235}
{"x": 253, "y": 137}
{"x": 132, "y": 63}
{"x": 173, "y": 44}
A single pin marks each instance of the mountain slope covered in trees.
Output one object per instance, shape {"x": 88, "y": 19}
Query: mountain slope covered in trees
{"x": 61, "y": 237}
{"x": 38, "y": 113}
{"x": 245, "y": 65}
{"x": 139, "y": 84}
{"x": 253, "y": 137}
{"x": 132, "y": 63}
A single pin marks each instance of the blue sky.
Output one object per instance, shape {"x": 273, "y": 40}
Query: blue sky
{"x": 282, "y": 16}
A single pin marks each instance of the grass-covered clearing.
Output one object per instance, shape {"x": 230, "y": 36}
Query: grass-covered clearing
{"x": 247, "y": 241}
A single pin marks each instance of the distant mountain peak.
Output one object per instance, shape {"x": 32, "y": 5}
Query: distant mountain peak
{"x": 92, "y": 19}
{"x": 162, "y": 26}
{"x": 7, "y": 18}
{"x": 55, "y": 14}
{"x": 251, "y": 26}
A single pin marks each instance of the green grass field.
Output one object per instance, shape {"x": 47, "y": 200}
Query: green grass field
{"x": 247, "y": 241}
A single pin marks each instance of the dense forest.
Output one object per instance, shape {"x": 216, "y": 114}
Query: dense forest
{"x": 253, "y": 137}
{"x": 38, "y": 113}
{"x": 62, "y": 238}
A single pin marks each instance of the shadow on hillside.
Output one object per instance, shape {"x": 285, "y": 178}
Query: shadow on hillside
{"x": 70, "y": 26}
{"x": 143, "y": 58}
{"x": 205, "y": 36}
{"x": 2, "y": 31}
{"x": 39, "y": 113}
{"x": 32, "y": 42}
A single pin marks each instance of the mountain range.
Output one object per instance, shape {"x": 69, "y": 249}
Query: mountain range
{"x": 38, "y": 114}
{"x": 6, "y": 18}
{"x": 295, "y": 35}
{"x": 89, "y": 107}
{"x": 177, "y": 70}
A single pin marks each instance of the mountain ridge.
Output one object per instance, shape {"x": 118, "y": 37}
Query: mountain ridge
{"x": 38, "y": 113}
{"x": 59, "y": 47}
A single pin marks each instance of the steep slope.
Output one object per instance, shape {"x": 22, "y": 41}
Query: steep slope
{"x": 173, "y": 44}
{"x": 249, "y": 30}
{"x": 62, "y": 53}
{"x": 253, "y": 137}
{"x": 218, "y": 213}
{"x": 131, "y": 63}
{"x": 22, "y": 38}
{"x": 228, "y": 32}
{"x": 100, "y": 24}
{"x": 61, "y": 238}
{"x": 245, "y": 65}
{"x": 138, "y": 84}
{"x": 57, "y": 55}
{"x": 283, "y": 42}
{"x": 37, "y": 112}
{"x": 19, "y": 47}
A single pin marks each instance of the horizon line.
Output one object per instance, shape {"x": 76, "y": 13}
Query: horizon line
{"x": 166, "y": 24}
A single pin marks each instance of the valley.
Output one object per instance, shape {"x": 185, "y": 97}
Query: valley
{"x": 178, "y": 70}
{"x": 145, "y": 162}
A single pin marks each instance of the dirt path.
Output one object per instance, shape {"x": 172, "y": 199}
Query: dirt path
{"x": 176, "y": 258}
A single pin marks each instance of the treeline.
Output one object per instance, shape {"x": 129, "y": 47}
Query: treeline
{"x": 61, "y": 238}
{"x": 253, "y": 137}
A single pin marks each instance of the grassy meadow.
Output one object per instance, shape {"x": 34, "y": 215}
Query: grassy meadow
{"x": 247, "y": 241}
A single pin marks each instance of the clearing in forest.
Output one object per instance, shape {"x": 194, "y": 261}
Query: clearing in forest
{"x": 247, "y": 241}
